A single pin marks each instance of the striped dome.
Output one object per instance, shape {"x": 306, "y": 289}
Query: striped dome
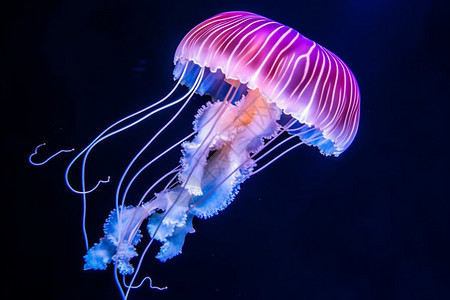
{"x": 301, "y": 77}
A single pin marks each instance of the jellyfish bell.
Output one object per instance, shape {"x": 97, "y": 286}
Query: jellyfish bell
{"x": 268, "y": 84}
{"x": 303, "y": 79}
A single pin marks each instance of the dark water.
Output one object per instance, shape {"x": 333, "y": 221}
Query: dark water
{"x": 371, "y": 224}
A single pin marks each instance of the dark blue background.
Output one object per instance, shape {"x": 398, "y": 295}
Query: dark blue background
{"x": 371, "y": 224}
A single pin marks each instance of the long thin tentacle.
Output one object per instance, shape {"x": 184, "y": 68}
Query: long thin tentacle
{"x": 103, "y": 135}
{"x": 46, "y": 160}
{"x": 197, "y": 82}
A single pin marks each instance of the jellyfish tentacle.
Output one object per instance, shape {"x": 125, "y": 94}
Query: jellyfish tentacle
{"x": 84, "y": 214}
{"x": 271, "y": 149}
{"x": 103, "y": 135}
{"x": 119, "y": 286}
{"x": 283, "y": 153}
{"x": 49, "y": 158}
{"x": 191, "y": 93}
{"x": 100, "y": 181}
{"x": 150, "y": 282}
{"x": 276, "y": 158}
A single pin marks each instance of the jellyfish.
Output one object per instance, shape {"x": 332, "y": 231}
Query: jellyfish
{"x": 266, "y": 84}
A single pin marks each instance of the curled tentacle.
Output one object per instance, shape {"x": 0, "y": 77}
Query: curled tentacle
{"x": 49, "y": 158}
{"x": 150, "y": 283}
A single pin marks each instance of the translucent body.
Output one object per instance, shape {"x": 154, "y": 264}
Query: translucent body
{"x": 265, "y": 82}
